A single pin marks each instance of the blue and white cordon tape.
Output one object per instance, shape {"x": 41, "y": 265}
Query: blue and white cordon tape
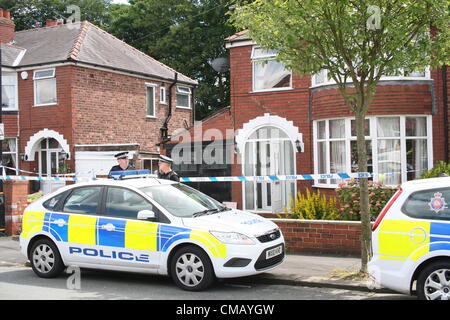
{"x": 353, "y": 175}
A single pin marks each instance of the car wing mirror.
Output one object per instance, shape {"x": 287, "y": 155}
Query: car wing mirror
{"x": 145, "y": 215}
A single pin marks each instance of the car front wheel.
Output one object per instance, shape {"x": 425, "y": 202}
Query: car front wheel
{"x": 434, "y": 282}
{"x": 191, "y": 269}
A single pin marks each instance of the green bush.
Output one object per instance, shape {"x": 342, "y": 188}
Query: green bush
{"x": 312, "y": 206}
{"x": 348, "y": 195}
{"x": 440, "y": 168}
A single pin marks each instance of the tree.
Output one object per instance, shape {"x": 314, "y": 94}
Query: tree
{"x": 357, "y": 42}
{"x": 28, "y": 14}
{"x": 185, "y": 35}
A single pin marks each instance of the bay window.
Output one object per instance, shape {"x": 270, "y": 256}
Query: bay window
{"x": 323, "y": 78}
{"x": 398, "y": 148}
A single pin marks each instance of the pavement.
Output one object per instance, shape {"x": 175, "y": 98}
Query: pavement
{"x": 298, "y": 270}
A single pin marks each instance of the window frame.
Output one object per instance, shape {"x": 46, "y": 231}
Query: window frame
{"x": 373, "y": 137}
{"x": 188, "y": 93}
{"x": 14, "y": 75}
{"x": 267, "y": 57}
{"x": 329, "y": 81}
{"x": 35, "y": 83}
{"x": 14, "y": 154}
{"x": 147, "y": 87}
{"x": 162, "y": 95}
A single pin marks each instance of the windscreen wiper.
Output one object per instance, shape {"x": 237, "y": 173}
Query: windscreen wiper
{"x": 205, "y": 212}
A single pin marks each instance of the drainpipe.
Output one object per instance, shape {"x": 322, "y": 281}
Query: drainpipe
{"x": 445, "y": 100}
{"x": 165, "y": 129}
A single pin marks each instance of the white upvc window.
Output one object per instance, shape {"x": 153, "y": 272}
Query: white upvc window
{"x": 184, "y": 97}
{"x": 269, "y": 74}
{"x": 399, "y": 148}
{"x": 322, "y": 78}
{"x": 9, "y": 91}
{"x": 151, "y": 100}
{"x": 10, "y": 157}
{"x": 162, "y": 95}
{"x": 45, "y": 92}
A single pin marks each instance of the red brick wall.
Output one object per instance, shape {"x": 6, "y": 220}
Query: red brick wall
{"x": 290, "y": 104}
{"x": 54, "y": 117}
{"x": 111, "y": 108}
{"x": 15, "y": 203}
{"x": 321, "y": 237}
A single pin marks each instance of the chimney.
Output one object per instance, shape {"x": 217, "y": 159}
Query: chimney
{"x": 7, "y": 26}
{"x": 52, "y": 23}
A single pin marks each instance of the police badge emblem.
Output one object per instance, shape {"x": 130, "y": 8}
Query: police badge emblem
{"x": 437, "y": 203}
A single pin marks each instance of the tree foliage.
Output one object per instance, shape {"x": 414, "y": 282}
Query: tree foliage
{"x": 28, "y": 14}
{"x": 357, "y": 42}
{"x": 185, "y": 35}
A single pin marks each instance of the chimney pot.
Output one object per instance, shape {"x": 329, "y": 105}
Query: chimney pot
{"x": 1, "y": 13}
{"x": 7, "y": 14}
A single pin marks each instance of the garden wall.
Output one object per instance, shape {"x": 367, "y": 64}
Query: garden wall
{"x": 321, "y": 236}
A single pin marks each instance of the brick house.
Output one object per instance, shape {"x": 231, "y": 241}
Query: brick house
{"x": 73, "y": 95}
{"x": 284, "y": 123}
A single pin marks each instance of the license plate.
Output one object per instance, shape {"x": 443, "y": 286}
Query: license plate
{"x": 274, "y": 252}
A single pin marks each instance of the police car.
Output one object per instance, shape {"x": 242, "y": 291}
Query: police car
{"x": 147, "y": 225}
{"x": 411, "y": 240}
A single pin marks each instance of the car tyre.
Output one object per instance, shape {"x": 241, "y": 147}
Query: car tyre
{"x": 191, "y": 269}
{"x": 45, "y": 259}
{"x": 433, "y": 282}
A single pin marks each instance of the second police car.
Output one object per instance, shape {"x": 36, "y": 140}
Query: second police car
{"x": 147, "y": 225}
{"x": 411, "y": 240}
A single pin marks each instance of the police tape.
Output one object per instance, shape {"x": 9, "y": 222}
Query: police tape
{"x": 339, "y": 176}
{"x": 320, "y": 176}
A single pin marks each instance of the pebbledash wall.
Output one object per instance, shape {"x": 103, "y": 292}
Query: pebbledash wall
{"x": 301, "y": 236}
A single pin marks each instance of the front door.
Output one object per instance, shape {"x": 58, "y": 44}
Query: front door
{"x": 50, "y": 153}
{"x": 268, "y": 152}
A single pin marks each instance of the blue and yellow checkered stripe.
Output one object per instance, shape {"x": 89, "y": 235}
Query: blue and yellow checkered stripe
{"x": 120, "y": 233}
{"x": 401, "y": 239}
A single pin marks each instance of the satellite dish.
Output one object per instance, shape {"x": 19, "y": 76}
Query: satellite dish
{"x": 220, "y": 65}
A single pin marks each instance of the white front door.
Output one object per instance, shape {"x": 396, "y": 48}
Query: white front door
{"x": 49, "y": 161}
{"x": 268, "y": 152}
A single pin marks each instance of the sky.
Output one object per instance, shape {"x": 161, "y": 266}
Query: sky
{"x": 120, "y": 1}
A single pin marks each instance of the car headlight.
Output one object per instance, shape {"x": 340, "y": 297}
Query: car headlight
{"x": 232, "y": 237}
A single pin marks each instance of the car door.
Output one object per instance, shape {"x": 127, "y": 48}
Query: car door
{"x": 75, "y": 226}
{"x": 124, "y": 240}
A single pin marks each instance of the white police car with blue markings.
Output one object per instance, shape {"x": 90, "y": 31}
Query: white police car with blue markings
{"x": 147, "y": 225}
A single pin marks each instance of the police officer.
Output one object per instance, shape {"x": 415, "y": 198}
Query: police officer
{"x": 165, "y": 169}
{"x": 123, "y": 163}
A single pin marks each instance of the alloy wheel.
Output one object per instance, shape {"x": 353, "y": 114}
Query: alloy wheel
{"x": 437, "y": 285}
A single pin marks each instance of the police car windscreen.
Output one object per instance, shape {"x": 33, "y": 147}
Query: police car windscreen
{"x": 181, "y": 200}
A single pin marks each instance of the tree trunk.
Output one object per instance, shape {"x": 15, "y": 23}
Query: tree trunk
{"x": 366, "y": 233}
